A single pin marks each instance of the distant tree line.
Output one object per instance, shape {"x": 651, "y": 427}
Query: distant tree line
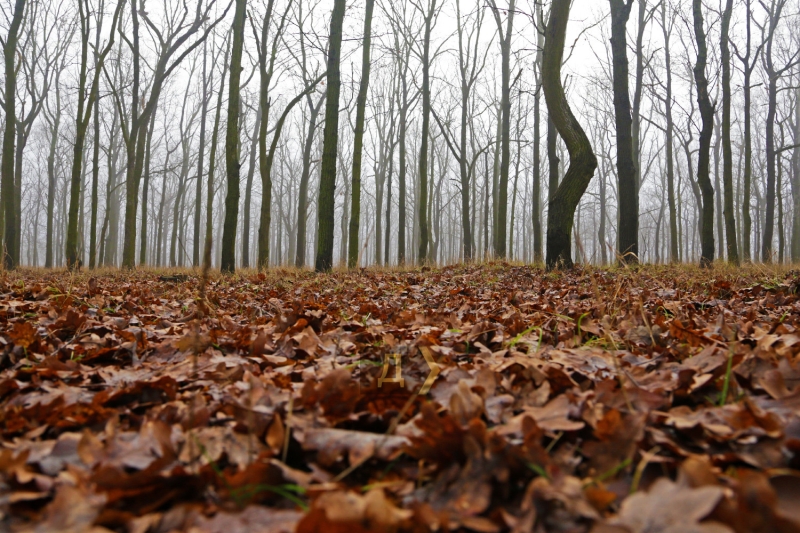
{"x": 260, "y": 133}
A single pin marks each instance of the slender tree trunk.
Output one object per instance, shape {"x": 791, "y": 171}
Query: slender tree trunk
{"x": 402, "y": 170}
{"x": 796, "y": 181}
{"x": 422, "y": 254}
{"x": 774, "y": 15}
{"x": 727, "y": 152}
{"x": 51, "y": 178}
{"x": 674, "y": 251}
{"x": 358, "y": 145}
{"x": 601, "y": 233}
{"x": 628, "y": 239}
{"x": 212, "y": 162}
{"x": 637, "y": 96}
{"x": 747, "y": 70}
{"x": 327, "y": 183}
{"x": 706, "y": 132}
{"x": 582, "y": 160}
{"x": 302, "y": 195}
{"x": 146, "y": 190}
{"x": 198, "y": 199}
{"x": 388, "y": 231}
{"x": 248, "y": 189}
{"x": 232, "y": 164}
{"x": 500, "y": 230}
{"x": 95, "y": 168}
{"x": 134, "y": 134}
{"x": 266, "y": 181}
{"x": 7, "y": 164}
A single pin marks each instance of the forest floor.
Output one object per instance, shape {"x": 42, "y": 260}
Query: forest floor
{"x": 658, "y": 399}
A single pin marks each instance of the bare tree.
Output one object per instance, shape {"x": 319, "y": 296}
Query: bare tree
{"x": 11, "y": 252}
{"x": 232, "y": 151}
{"x": 628, "y": 240}
{"x": 505, "y": 135}
{"x": 707, "y": 116}
{"x": 582, "y": 159}
{"x": 85, "y": 107}
{"x": 358, "y": 146}
{"x": 327, "y": 184}
{"x": 774, "y": 10}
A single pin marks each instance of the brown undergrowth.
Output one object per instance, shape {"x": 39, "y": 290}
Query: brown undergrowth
{"x": 610, "y": 400}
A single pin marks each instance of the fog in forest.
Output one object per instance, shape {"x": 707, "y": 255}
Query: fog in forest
{"x": 307, "y": 133}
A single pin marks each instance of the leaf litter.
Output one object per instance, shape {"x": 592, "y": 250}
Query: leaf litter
{"x": 658, "y": 399}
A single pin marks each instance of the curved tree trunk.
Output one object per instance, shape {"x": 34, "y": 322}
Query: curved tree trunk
{"x": 582, "y": 160}
{"x": 706, "y": 132}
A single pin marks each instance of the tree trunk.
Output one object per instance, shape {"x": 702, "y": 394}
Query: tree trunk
{"x": 7, "y": 165}
{"x": 796, "y": 181}
{"x": 582, "y": 160}
{"x": 628, "y": 238}
{"x": 302, "y": 195}
{"x": 95, "y": 184}
{"x": 774, "y": 15}
{"x": 212, "y": 162}
{"x": 327, "y": 183}
{"x": 198, "y": 199}
{"x": 505, "y": 109}
{"x": 747, "y": 71}
{"x": 266, "y": 181}
{"x": 706, "y": 132}
{"x": 358, "y": 145}
{"x": 146, "y": 189}
{"x": 422, "y": 254}
{"x": 637, "y": 96}
{"x": 727, "y": 152}
{"x": 248, "y": 189}
{"x": 51, "y": 177}
{"x": 674, "y": 251}
{"x": 232, "y": 165}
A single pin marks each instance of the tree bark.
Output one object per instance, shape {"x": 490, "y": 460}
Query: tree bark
{"x": 146, "y": 189}
{"x": 727, "y": 152}
{"x": 747, "y": 71}
{"x": 773, "y": 74}
{"x": 706, "y": 132}
{"x": 327, "y": 183}
{"x": 198, "y": 200}
{"x": 358, "y": 144}
{"x": 51, "y": 178}
{"x": 422, "y": 254}
{"x": 232, "y": 164}
{"x": 795, "y": 245}
{"x": 674, "y": 250}
{"x": 302, "y": 195}
{"x": 266, "y": 180}
{"x": 582, "y": 160}
{"x": 7, "y": 165}
{"x": 248, "y": 189}
{"x": 500, "y": 230}
{"x": 628, "y": 238}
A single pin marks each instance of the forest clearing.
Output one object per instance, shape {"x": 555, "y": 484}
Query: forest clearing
{"x": 607, "y": 400}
